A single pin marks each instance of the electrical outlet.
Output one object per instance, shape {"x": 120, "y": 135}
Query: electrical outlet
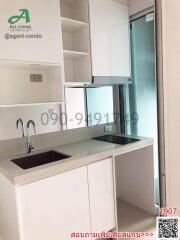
{"x": 51, "y": 111}
{"x": 107, "y": 128}
{"x": 36, "y": 77}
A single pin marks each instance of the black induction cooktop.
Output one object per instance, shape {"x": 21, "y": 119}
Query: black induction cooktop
{"x": 116, "y": 139}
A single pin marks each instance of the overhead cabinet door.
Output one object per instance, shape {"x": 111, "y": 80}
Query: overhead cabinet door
{"x": 109, "y": 24}
{"x": 30, "y": 31}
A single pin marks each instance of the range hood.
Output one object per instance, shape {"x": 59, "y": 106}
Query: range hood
{"x": 101, "y": 81}
{"x": 110, "y": 80}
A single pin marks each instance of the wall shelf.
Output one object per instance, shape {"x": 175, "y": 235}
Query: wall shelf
{"x": 67, "y": 1}
{"x": 75, "y": 9}
{"x": 30, "y": 104}
{"x": 74, "y": 54}
{"x": 76, "y": 42}
{"x": 75, "y": 84}
{"x": 70, "y": 25}
{"x": 11, "y": 63}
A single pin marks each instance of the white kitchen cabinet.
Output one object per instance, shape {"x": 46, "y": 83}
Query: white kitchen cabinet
{"x": 76, "y": 41}
{"x": 77, "y": 201}
{"x": 102, "y": 196}
{"x": 53, "y": 208}
{"x": 30, "y": 31}
{"x": 110, "y": 42}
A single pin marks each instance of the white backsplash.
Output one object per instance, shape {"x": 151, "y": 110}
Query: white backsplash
{"x": 9, "y": 116}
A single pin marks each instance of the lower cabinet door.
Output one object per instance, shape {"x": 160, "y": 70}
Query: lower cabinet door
{"x": 53, "y": 208}
{"x": 101, "y": 192}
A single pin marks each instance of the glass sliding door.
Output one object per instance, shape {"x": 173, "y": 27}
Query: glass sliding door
{"x": 140, "y": 97}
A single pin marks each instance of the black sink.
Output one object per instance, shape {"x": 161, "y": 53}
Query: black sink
{"x": 32, "y": 161}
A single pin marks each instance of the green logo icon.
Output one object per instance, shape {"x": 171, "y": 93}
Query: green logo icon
{"x": 24, "y": 15}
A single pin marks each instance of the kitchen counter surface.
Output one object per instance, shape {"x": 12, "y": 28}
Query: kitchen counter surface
{"x": 83, "y": 153}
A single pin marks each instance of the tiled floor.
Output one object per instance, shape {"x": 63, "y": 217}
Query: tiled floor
{"x": 132, "y": 219}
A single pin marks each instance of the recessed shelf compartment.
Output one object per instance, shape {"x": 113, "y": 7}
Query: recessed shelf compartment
{"x": 70, "y": 25}
{"x": 18, "y": 89}
{"x": 76, "y": 42}
{"x": 78, "y": 70}
{"x": 75, "y": 54}
{"x": 75, "y": 9}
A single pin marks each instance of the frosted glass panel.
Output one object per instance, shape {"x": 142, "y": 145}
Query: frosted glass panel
{"x": 99, "y": 105}
{"x": 143, "y": 97}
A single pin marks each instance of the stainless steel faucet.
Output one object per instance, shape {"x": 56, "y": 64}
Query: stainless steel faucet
{"x": 20, "y": 122}
{"x": 30, "y": 146}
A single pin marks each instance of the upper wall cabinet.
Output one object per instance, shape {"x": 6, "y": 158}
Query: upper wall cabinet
{"x": 110, "y": 42}
{"x": 30, "y": 31}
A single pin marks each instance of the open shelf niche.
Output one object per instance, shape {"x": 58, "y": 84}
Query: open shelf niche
{"x": 76, "y": 41}
{"x": 30, "y": 84}
{"x": 70, "y": 25}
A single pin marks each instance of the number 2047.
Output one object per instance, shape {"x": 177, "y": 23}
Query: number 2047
{"x": 168, "y": 211}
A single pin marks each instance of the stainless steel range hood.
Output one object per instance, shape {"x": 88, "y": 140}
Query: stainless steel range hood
{"x": 101, "y": 81}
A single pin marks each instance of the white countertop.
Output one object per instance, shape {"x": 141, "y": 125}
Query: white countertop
{"x": 83, "y": 153}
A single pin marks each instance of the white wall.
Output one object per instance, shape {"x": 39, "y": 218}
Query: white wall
{"x": 171, "y": 82}
{"x": 136, "y": 6}
{"x": 8, "y": 117}
{"x": 75, "y": 107}
{"x": 135, "y": 178}
{"x": 17, "y": 88}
